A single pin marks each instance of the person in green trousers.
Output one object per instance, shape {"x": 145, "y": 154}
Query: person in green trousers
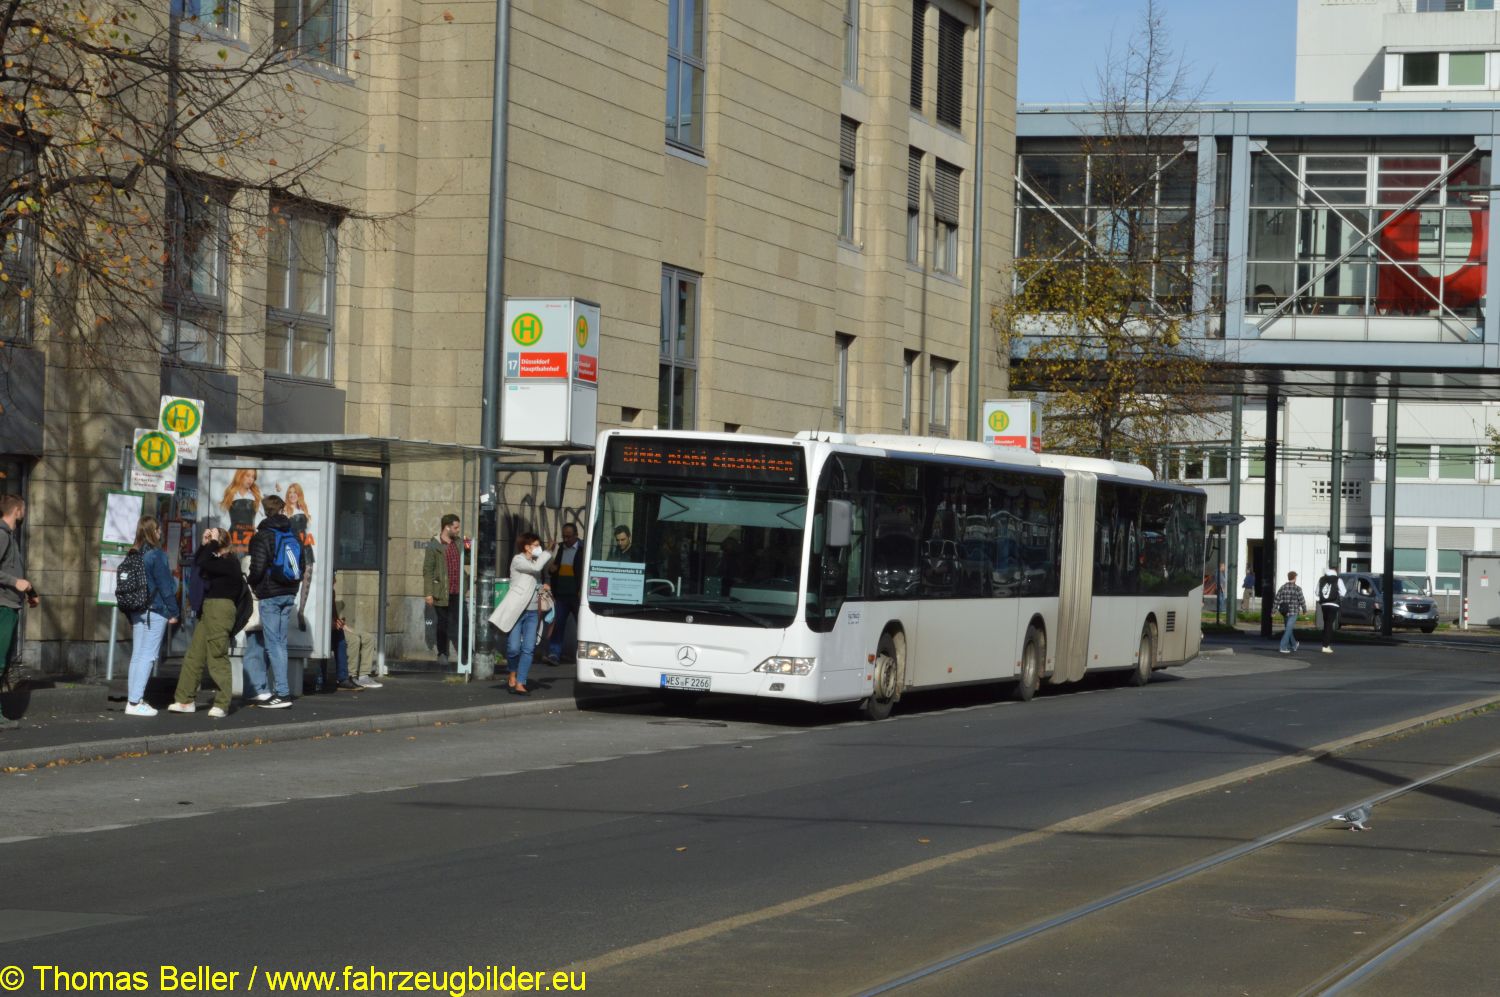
{"x": 222, "y": 583}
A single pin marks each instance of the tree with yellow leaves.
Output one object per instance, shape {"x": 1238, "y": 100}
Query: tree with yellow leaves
{"x": 1101, "y": 319}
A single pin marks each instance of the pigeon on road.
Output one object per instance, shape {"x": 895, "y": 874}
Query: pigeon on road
{"x": 1355, "y": 818}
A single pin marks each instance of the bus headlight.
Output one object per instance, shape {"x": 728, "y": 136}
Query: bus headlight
{"x": 787, "y": 666}
{"x": 589, "y": 650}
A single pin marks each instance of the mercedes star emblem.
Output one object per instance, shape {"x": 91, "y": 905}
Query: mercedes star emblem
{"x": 687, "y": 657}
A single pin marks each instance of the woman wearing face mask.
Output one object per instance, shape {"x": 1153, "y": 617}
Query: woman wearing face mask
{"x": 516, "y": 616}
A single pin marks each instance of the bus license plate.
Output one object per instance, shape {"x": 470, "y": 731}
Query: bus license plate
{"x": 689, "y": 683}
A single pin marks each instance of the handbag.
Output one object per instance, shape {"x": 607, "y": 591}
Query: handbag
{"x": 545, "y": 603}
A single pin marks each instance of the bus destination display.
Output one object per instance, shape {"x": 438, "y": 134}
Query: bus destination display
{"x": 699, "y": 460}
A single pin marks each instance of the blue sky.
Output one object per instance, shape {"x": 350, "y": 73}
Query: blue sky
{"x": 1245, "y": 50}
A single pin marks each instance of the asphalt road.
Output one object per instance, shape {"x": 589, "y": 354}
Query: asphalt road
{"x": 736, "y": 848}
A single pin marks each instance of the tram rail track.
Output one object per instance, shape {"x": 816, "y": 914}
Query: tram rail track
{"x": 1338, "y": 981}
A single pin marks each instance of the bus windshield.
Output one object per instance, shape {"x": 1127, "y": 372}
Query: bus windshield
{"x": 692, "y": 547}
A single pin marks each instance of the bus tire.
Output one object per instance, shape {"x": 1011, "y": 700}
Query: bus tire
{"x": 889, "y": 662}
{"x": 1145, "y": 659}
{"x": 1031, "y": 667}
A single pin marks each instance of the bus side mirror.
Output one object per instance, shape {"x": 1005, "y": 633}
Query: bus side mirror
{"x": 840, "y": 523}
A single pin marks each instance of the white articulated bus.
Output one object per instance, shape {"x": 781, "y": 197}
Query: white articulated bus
{"x": 833, "y": 568}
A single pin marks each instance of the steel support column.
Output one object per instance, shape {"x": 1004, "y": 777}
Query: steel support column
{"x": 1269, "y": 583}
{"x": 1388, "y": 572}
{"x": 1336, "y": 484}
{"x": 1236, "y": 449}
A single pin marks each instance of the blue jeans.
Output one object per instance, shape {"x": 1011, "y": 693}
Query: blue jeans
{"x": 564, "y": 609}
{"x": 268, "y": 644}
{"x": 519, "y": 645}
{"x": 147, "y": 629}
{"x": 1289, "y": 635}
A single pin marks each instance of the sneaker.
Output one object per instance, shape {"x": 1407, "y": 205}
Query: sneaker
{"x": 175, "y": 707}
{"x": 260, "y": 699}
{"x": 350, "y": 684}
{"x": 276, "y": 703}
{"x": 141, "y": 709}
{"x": 365, "y": 682}
{"x": 1284, "y": 650}
{"x": 442, "y": 661}
{"x": 1327, "y": 650}
{"x": 217, "y": 713}
{"x": 549, "y": 659}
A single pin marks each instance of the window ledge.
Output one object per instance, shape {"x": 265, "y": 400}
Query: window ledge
{"x": 278, "y": 375}
{"x": 211, "y": 34}
{"x": 947, "y": 278}
{"x": 853, "y": 247}
{"x": 322, "y": 70}
{"x": 688, "y": 154}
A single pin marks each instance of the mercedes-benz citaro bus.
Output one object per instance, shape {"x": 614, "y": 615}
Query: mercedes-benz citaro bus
{"x": 834, "y": 568}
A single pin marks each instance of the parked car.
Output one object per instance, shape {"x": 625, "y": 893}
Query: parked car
{"x": 1362, "y": 603}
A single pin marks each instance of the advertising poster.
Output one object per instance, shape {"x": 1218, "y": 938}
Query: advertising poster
{"x": 231, "y": 497}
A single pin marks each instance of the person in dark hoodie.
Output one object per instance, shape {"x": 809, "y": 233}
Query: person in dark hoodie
{"x": 222, "y": 584}
{"x": 277, "y": 564}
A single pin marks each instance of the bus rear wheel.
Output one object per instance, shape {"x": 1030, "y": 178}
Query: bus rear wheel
{"x": 1145, "y": 660}
{"x": 1031, "y": 667}
{"x": 882, "y": 699}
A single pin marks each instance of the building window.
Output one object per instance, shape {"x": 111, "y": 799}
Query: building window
{"x": 851, "y": 41}
{"x": 1458, "y": 463}
{"x": 1445, "y": 6}
{"x": 940, "y": 396}
{"x": 1351, "y": 490}
{"x": 914, "y": 206}
{"x": 314, "y": 29}
{"x": 945, "y": 190}
{"x": 1413, "y": 461}
{"x": 300, "y": 269}
{"x": 918, "y": 50}
{"x": 677, "y": 387}
{"x": 848, "y": 147}
{"x": 908, "y": 386}
{"x": 841, "y": 346}
{"x": 222, "y": 15}
{"x": 193, "y": 286}
{"x": 685, "y": 69}
{"x": 1255, "y": 463}
{"x": 1411, "y": 560}
{"x": 1309, "y": 257}
{"x": 950, "y": 81}
{"x": 16, "y": 257}
{"x": 1443, "y": 69}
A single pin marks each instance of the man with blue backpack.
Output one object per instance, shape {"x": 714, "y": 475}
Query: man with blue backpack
{"x": 277, "y": 564}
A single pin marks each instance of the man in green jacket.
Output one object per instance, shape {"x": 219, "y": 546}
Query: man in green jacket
{"x": 15, "y": 591}
{"x": 442, "y": 563}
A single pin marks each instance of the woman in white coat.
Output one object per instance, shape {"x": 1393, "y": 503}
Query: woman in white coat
{"x": 516, "y": 616}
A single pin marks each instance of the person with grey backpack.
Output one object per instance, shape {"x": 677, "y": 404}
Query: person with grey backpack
{"x": 146, "y": 593}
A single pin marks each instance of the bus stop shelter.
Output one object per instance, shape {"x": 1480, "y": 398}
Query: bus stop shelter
{"x": 382, "y": 454}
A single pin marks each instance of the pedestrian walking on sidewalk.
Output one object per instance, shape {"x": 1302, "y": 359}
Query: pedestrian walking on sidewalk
{"x": 277, "y": 564}
{"x": 1247, "y": 589}
{"x": 16, "y": 592}
{"x": 224, "y": 588}
{"x": 516, "y": 616}
{"x": 1290, "y": 603}
{"x": 148, "y": 626}
{"x": 1330, "y": 592}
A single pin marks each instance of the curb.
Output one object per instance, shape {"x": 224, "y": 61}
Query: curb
{"x": 93, "y": 751}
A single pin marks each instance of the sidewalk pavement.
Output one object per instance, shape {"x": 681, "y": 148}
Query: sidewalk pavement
{"x": 82, "y": 723}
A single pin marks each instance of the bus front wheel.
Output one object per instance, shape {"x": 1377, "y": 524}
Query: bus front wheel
{"x": 882, "y": 699}
{"x": 1031, "y": 667}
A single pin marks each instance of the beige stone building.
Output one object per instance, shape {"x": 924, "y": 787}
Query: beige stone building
{"x": 792, "y": 251}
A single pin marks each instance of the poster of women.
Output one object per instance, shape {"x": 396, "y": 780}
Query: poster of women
{"x": 233, "y": 499}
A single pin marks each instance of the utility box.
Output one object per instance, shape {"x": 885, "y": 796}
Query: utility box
{"x": 1481, "y": 589}
{"x": 550, "y": 389}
